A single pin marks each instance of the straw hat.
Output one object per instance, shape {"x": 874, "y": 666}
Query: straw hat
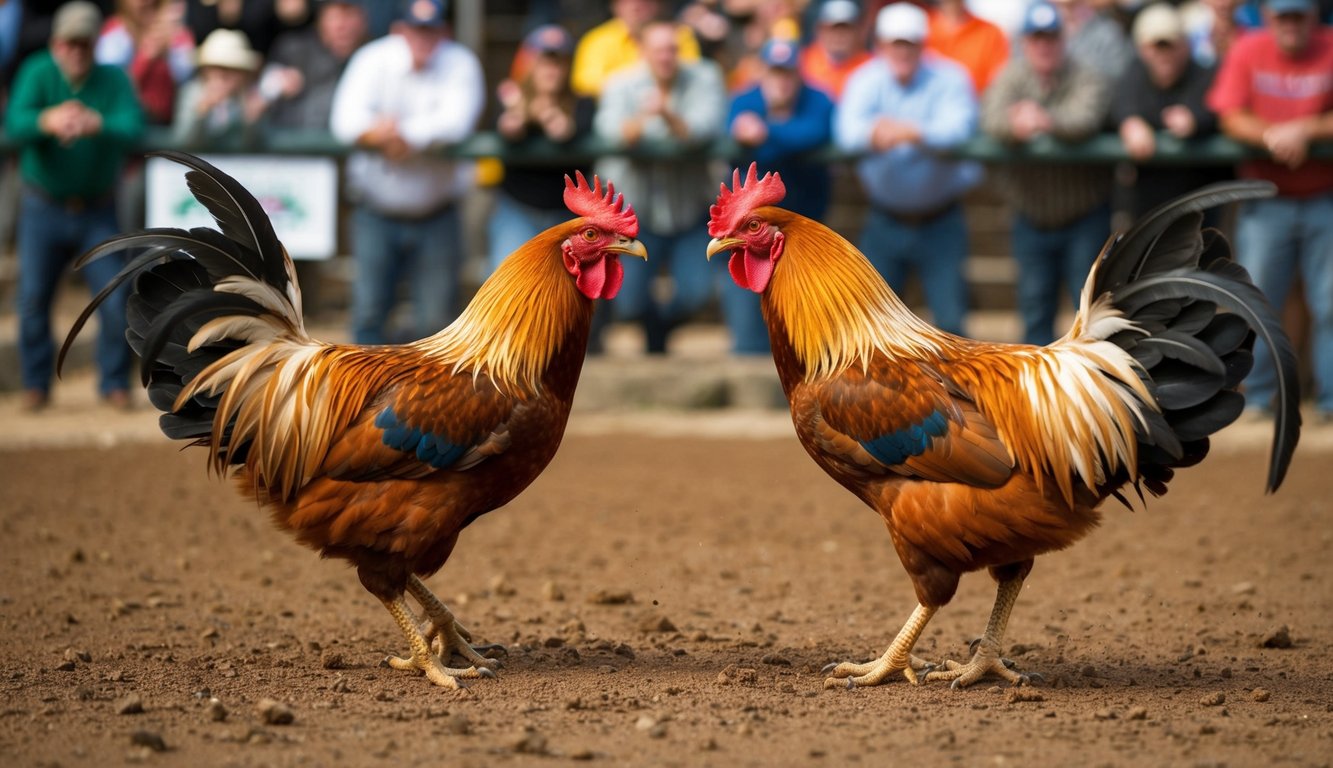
{"x": 230, "y": 49}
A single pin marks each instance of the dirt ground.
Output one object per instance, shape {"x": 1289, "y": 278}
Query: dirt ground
{"x": 665, "y": 601}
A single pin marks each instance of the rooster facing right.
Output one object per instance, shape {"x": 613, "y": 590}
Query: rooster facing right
{"x": 985, "y": 455}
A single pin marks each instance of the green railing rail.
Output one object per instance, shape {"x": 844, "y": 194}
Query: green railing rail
{"x": 1102, "y": 149}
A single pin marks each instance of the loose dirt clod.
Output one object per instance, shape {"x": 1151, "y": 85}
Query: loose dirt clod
{"x": 656, "y": 622}
{"x": 611, "y": 597}
{"x": 1259, "y": 694}
{"x": 330, "y": 659}
{"x": 1215, "y": 699}
{"x": 1137, "y": 713}
{"x": 149, "y": 739}
{"x": 217, "y": 712}
{"x": 274, "y": 712}
{"x": 129, "y": 705}
{"x": 737, "y": 675}
{"x": 1276, "y": 638}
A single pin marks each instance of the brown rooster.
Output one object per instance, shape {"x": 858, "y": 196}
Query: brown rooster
{"x": 379, "y": 455}
{"x": 985, "y": 455}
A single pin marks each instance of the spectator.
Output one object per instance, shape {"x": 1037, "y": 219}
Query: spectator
{"x": 146, "y": 39}
{"x": 614, "y": 44}
{"x": 73, "y": 121}
{"x": 1163, "y": 90}
{"x": 400, "y": 97}
{"x": 1212, "y": 26}
{"x": 664, "y": 99}
{"x": 775, "y": 123}
{"x": 1062, "y": 217}
{"x": 1275, "y": 91}
{"x": 1094, "y": 40}
{"x": 540, "y": 104}
{"x": 261, "y": 20}
{"x": 977, "y": 44}
{"x": 904, "y": 107}
{"x": 304, "y": 65}
{"x": 220, "y": 107}
{"x": 838, "y": 47}
{"x": 11, "y": 24}
{"x": 1005, "y": 14}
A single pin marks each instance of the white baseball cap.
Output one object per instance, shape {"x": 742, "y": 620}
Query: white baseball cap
{"x": 901, "y": 21}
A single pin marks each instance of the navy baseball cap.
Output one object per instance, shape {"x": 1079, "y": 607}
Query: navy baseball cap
{"x": 1041, "y": 19}
{"x": 779, "y": 53}
{"x": 1279, "y": 7}
{"x": 550, "y": 38}
{"x": 425, "y": 13}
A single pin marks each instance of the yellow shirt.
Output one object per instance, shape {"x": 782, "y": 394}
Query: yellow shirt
{"x": 609, "y": 47}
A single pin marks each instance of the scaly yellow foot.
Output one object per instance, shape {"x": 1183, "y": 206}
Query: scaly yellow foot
{"x": 422, "y": 658}
{"x": 898, "y": 658}
{"x": 445, "y": 634}
{"x": 986, "y": 654}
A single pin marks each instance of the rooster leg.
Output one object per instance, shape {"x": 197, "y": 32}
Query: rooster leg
{"x": 898, "y": 658}
{"x": 442, "y": 626}
{"x": 986, "y": 659}
{"x": 422, "y": 659}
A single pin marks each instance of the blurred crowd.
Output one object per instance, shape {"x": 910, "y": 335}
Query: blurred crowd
{"x": 896, "y": 84}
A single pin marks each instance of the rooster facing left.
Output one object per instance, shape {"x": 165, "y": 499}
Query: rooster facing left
{"x": 379, "y": 455}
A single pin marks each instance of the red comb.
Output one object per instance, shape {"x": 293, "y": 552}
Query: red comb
{"x": 609, "y": 211}
{"x": 736, "y": 203}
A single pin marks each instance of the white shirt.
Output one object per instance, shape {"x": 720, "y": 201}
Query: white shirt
{"x": 437, "y": 105}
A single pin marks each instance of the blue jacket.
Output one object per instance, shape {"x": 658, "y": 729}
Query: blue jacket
{"x": 809, "y": 127}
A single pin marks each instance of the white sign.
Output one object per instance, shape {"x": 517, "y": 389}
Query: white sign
{"x": 299, "y": 194}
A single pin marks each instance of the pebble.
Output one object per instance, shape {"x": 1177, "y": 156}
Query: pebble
{"x": 1277, "y": 638}
{"x": 1243, "y": 588}
{"x": 501, "y": 587}
{"x": 656, "y": 622}
{"x": 78, "y": 655}
{"x": 529, "y": 742}
{"x": 552, "y": 593}
{"x": 1259, "y": 694}
{"x": 1137, "y": 713}
{"x": 130, "y": 705}
{"x": 274, "y": 712}
{"x": 148, "y": 739}
{"x": 775, "y": 659}
{"x": 217, "y": 712}
{"x": 1104, "y": 714}
{"x": 583, "y": 754}
{"x": 65, "y": 666}
{"x": 1215, "y": 699}
{"x": 733, "y": 674}
{"x": 331, "y": 659}
{"x": 611, "y": 597}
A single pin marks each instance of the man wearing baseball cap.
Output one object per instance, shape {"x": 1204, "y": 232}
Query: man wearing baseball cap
{"x": 1062, "y": 212}
{"x": 74, "y": 121}
{"x": 900, "y": 111}
{"x": 838, "y": 47}
{"x": 1274, "y": 91}
{"x": 774, "y": 123}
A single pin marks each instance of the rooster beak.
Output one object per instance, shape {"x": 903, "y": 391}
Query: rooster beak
{"x": 629, "y": 247}
{"x": 717, "y": 245}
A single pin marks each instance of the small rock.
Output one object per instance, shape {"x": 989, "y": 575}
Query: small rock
{"x": 211, "y": 633}
{"x": 274, "y": 712}
{"x": 457, "y": 724}
{"x": 1137, "y": 713}
{"x": 1104, "y": 714}
{"x": 737, "y": 675}
{"x": 553, "y": 642}
{"x": 65, "y": 666}
{"x": 501, "y": 587}
{"x": 645, "y": 722}
{"x": 216, "y": 711}
{"x": 1207, "y": 729}
{"x": 331, "y": 659}
{"x": 611, "y": 597}
{"x": 340, "y": 685}
{"x": 1243, "y": 588}
{"x": 1276, "y": 638}
{"x": 583, "y": 754}
{"x": 656, "y": 622}
{"x": 1215, "y": 699}
{"x": 1021, "y": 695}
{"x": 73, "y": 655}
{"x": 1259, "y": 694}
{"x": 529, "y": 742}
{"x": 775, "y": 659}
{"x": 148, "y": 739}
{"x": 130, "y": 705}
{"x": 552, "y": 593}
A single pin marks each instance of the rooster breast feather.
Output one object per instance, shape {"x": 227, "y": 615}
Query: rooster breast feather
{"x": 905, "y": 419}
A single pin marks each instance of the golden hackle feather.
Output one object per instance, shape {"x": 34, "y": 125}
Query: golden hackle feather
{"x": 1066, "y": 411}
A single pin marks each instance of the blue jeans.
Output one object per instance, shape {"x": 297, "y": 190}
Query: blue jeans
{"x": 426, "y": 253}
{"x": 50, "y": 236}
{"x": 1048, "y": 257}
{"x": 692, "y": 277}
{"x": 1276, "y": 240}
{"x": 936, "y": 249}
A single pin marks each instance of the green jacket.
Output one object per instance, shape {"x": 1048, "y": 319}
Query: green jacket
{"x": 90, "y": 167}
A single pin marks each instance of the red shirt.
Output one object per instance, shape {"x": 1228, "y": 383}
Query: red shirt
{"x": 1258, "y": 77}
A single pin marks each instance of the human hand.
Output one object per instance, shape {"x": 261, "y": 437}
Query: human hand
{"x": 1179, "y": 120}
{"x": 749, "y": 129}
{"x": 1028, "y": 119}
{"x": 509, "y": 93}
{"x": 1138, "y": 137}
{"x": 654, "y": 102}
{"x": 888, "y": 133}
{"x": 1289, "y": 142}
{"x": 557, "y": 125}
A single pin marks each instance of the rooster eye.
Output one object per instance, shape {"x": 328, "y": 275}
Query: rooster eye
{"x": 753, "y": 225}
{"x": 590, "y": 234}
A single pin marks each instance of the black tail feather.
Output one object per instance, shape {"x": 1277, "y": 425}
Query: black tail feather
{"x": 1198, "y": 315}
